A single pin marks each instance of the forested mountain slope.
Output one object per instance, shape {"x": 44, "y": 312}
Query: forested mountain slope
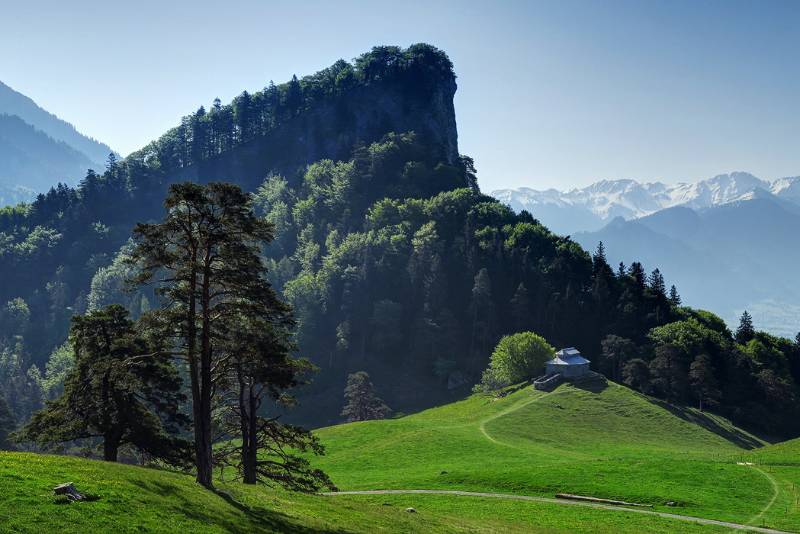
{"x": 51, "y": 249}
{"x": 393, "y": 260}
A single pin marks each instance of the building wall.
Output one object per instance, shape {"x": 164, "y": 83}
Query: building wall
{"x": 568, "y": 371}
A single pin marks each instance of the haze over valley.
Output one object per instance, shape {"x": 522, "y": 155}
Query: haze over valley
{"x": 713, "y": 237}
{"x": 299, "y": 286}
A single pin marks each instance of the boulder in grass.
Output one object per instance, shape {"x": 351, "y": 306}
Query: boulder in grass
{"x": 70, "y": 491}
{"x": 411, "y": 510}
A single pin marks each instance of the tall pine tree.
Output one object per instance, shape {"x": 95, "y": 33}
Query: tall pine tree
{"x": 745, "y": 332}
{"x": 205, "y": 256}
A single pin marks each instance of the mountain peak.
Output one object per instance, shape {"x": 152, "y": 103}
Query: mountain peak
{"x": 632, "y": 199}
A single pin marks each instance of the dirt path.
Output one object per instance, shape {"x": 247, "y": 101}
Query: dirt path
{"x": 700, "y": 520}
{"x": 775, "y": 492}
{"x": 511, "y": 409}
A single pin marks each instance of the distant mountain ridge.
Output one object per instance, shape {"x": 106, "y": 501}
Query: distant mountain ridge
{"x": 31, "y": 161}
{"x": 727, "y": 258}
{"x": 38, "y": 150}
{"x": 590, "y": 208}
{"x": 729, "y": 243}
{"x": 15, "y": 103}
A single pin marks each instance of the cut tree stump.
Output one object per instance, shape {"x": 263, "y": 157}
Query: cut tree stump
{"x": 69, "y": 490}
{"x": 585, "y": 498}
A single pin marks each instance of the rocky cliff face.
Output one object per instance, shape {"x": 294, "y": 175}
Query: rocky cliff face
{"x": 331, "y": 131}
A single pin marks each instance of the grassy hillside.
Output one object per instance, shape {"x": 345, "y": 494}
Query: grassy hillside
{"x": 780, "y": 465}
{"x": 611, "y": 443}
{"x": 135, "y": 499}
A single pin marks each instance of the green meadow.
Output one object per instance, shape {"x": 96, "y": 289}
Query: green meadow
{"x": 609, "y": 443}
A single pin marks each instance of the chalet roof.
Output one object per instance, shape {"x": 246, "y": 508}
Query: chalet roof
{"x": 568, "y": 356}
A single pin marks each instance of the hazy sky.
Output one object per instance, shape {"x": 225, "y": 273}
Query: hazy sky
{"x": 551, "y": 93}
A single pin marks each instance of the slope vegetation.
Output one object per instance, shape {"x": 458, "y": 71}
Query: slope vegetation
{"x": 610, "y": 443}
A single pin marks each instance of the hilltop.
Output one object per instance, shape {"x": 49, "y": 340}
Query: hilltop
{"x": 392, "y": 259}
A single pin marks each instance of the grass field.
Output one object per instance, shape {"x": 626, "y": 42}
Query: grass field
{"x": 611, "y": 443}
{"x": 134, "y": 499}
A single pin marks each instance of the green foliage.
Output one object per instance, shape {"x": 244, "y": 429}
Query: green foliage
{"x": 7, "y": 424}
{"x": 361, "y": 401}
{"x": 122, "y": 389}
{"x": 229, "y": 328}
{"x": 516, "y": 358}
{"x": 745, "y": 332}
{"x": 698, "y": 359}
{"x": 60, "y": 363}
{"x": 617, "y": 351}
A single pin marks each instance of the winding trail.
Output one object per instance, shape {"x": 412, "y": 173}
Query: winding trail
{"x": 511, "y": 409}
{"x": 526, "y": 402}
{"x": 775, "y": 492}
{"x": 748, "y": 527}
{"x": 548, "y": 500}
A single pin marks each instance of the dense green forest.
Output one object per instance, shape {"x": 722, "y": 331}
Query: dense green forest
{"x": 391, "y": 258}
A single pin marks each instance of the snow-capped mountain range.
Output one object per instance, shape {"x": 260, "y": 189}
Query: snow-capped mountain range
{"x": 591, "y": 207}
{"x": 729, "y": 243}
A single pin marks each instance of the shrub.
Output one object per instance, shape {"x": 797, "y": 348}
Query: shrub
{"x": 516, "y": 358}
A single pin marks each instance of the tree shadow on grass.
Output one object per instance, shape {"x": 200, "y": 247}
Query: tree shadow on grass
{"x": 275, "y": 521}
{"x": 254, "y": 520}
{"x": 709, "y": 423}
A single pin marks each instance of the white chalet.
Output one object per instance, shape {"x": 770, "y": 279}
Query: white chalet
{"x": 568, "y": 363}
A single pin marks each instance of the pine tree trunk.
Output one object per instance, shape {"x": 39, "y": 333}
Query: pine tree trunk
{"x": 247, "y": 426}
{"x": 251, "y": 458}
{"x": 202, "y": 458}
{"x": 203, "y": 423}
{"x": 110, "y": 448}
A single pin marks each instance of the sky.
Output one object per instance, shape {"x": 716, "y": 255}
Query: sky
{"x": 555, "y": 93}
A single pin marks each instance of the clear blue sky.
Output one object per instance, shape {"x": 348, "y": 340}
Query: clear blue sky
{"x": 551, "y": 93}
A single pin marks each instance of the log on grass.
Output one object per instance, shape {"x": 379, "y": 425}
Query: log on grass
{"x": 598, "y": 500}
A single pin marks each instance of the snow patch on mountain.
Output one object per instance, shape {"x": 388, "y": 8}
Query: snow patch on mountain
{"x": 630, "y": 199}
